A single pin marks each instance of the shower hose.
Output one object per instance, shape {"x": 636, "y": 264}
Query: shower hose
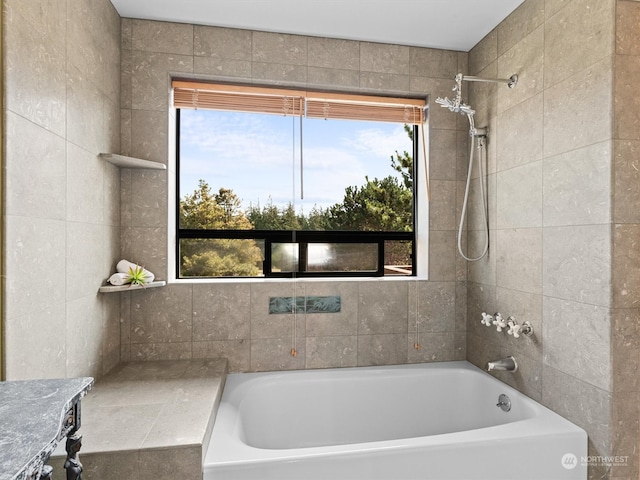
{"x": 483, "y": 193}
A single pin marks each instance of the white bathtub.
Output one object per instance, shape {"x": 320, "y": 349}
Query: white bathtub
{"x": 427, "y": 421}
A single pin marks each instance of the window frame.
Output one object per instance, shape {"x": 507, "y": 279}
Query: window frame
{"x": 302, "y": 237}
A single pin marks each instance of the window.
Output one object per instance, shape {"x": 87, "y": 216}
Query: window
{"x": 286, "y": 183}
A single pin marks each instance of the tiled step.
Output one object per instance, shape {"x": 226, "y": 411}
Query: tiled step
{"x": 149, "y": 420}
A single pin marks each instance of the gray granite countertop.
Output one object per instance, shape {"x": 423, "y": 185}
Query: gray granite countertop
{"x": 31, "y": 414}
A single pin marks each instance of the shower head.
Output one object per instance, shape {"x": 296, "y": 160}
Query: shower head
{"x": 455, "y": 106}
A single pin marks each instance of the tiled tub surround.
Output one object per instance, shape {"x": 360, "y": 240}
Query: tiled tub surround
{"x": 150, "y": 420}
{"x": 376, "y": 322}
{"x": 563, "y": 196}
{"x": 233, "y": 320}
{"x": 61, "y": 213}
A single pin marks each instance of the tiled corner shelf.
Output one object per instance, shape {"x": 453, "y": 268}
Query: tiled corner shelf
{"x": 129, "y": 287}
{"x": 130, "y": 162}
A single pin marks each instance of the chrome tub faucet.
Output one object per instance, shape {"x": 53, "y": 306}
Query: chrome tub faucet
{"x": 507, "y": 364}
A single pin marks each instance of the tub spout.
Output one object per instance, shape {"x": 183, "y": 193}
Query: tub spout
{"x": 508, "y": 364}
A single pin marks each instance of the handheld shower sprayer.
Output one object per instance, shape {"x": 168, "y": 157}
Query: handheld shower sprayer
{"x": 458, "y": 106}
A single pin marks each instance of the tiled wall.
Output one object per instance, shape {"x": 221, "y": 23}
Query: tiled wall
{"x": 376, "y": 324}
{"x": 625, "y": 320}
{"x": 61, "y": 74}
{"x": 563, "y": 213}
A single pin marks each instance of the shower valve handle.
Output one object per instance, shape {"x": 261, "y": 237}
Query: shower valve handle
{"x": 499, "y": 322}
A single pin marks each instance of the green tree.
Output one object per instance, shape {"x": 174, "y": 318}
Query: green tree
{"x": 270, "y": 217}
{"x": 204, "y": 209}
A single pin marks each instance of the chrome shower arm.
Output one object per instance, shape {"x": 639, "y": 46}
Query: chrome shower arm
{"x": 511, "y": 81}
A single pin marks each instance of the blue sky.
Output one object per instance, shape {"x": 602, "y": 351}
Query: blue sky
{"x": 253, "y": 155}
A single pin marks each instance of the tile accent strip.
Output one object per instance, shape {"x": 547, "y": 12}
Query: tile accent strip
{"x": 310, "y": 304}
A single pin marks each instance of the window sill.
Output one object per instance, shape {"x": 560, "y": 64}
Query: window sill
{"x": 204, "y": 281}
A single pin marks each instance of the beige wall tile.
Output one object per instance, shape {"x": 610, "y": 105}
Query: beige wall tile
{"x": 160, "y": 464}
{"x": 627, "y": 21}
{"x": 35, "y": 349}
{"x": 279, "y": 48}
{"x": 390, "y": 316}
{"x": 484, "y": 270}
{"x": 84, "y": 186}
{"x": 222, "y": 68}
{"x": 569, "y": 106}
{"x": 220, "y": 43}
{"x": 162, "y": 315}
{"x": 237, "y": 352}
{"x": 519, "y": 196}
{"x": 432, "y": 305}
{"x": 577, "y": 37}
{"x": 162, "y": 37}
{"x": 49, "y": 18}
{"x": 84, "y": 335}
{"x": 433, "y": 63}
{"x": 161, "y": 351}
{"x": 331, "y": 53}
{"x": 344, "y": 322}
{"x": 626, "y": 266}
{"x": 35, "y": 247}
{"x": 577, "y": 186}
{"x": 333, "y": 78}
{"x": 221, "y": 312}
{"x": 331, "y": 352}
{"x": 32, "y": 67}
{"x": 581, "y": 403}
{"x": 625, "y": 350}
{"x": 146, "y": 194}
{"x": 577, "y": 340}
{"x": 442, "y": 255}
{"x": 434, "y": 347}
{"x": 383, "y": 58}
{"x": 442, "y": 205}
{"x": 150, "y": 78}
{"x": 275, "y": 354}
{"x": 519, "y": 259}
{"x": 526, "y": 60}
{"x": 577, "y": 262}
{"x": 146, "y": 246}
{"x": 279, "y": 73}
{"x": 485, "y": 52}
{"x": 626, "y": 194}
{"x": 36, "y": 172}
{"x": 149, "y": 135}
{"x": 524, "y": 19}
{"x": 386, "y": 82}
{"x": 520, "y": 134}
{"x": 390, "y": 349}
{"x": 85, "y": 250}
{"x": 85, "y": 125}
{"x": 626, "y": 101}
{"x": 442, "y": 154}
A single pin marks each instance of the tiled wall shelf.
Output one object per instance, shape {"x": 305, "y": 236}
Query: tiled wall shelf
{"x": 130, "y": 162}
{"x": 128, "y": 287}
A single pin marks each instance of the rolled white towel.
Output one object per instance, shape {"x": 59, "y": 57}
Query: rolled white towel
{"x": 118, "y": 279}
{"x": 123, "y": 266}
